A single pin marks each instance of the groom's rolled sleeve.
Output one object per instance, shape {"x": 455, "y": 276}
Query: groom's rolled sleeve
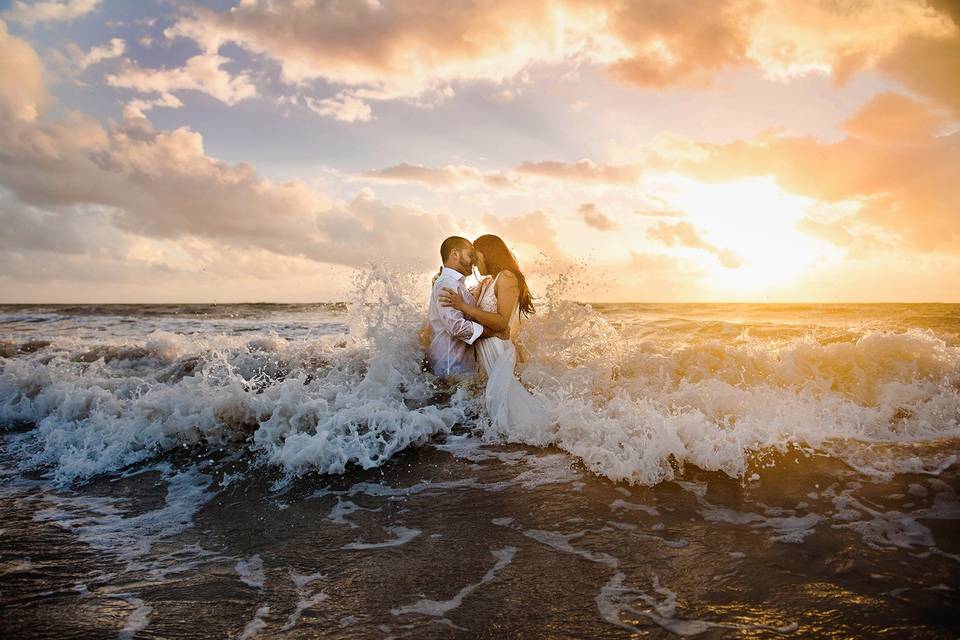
{"x": 477, "y": 330}
{"x": 459, "y": 327}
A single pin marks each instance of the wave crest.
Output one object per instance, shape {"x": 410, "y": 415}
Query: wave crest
{"x": 633, "y": 405}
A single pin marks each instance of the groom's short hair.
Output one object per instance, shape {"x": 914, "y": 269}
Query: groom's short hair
{"x": 451, "y": 243}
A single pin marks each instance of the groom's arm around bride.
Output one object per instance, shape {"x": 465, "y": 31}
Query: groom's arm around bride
{"x": 450, "y": 351}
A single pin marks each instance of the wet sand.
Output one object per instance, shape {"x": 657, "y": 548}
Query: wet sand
{"x": 463, "y": 540}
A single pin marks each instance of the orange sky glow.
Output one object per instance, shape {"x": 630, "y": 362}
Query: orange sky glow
{"x": 668, "y": 151}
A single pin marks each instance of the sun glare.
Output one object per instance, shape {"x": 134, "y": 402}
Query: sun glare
{"x": 757, "y": 221}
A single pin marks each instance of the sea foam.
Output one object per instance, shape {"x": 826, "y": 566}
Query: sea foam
{"x": 633, "y": 403}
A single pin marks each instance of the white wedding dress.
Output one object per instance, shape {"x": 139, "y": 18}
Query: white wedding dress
{"x": 513, "y": 411}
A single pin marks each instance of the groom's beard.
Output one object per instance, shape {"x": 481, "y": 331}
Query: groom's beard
{"x": 465, "y": 269}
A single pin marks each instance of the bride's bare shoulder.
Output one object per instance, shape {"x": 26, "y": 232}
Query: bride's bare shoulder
{"x": 506, "y": 276}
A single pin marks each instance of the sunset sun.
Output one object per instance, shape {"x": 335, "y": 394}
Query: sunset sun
{"x": 753, "y": 224}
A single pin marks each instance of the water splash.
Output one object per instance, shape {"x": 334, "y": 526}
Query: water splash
{"x": 634, "y": 398}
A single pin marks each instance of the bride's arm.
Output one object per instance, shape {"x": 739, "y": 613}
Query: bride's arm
{"x": 508, "y": 292}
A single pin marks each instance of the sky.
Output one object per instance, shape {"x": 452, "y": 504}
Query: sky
{"x": 645, "y": 150}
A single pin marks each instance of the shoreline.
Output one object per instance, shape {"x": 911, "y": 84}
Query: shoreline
{"x": 470, "y": 540}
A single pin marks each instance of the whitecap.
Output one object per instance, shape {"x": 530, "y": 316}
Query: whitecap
{"x": 440, "y": 608}
{"x": 403, "y": 536}
{"x": 253, "y": 628}
{"x": 251, "y": 571}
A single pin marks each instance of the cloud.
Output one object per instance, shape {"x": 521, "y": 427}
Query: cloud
{"x": 343, "y": 107}
{"x": 930, "y": 66}
{"x": 162, "y": 185}
{"x": 391, "y": 49}
{"x": 655, "y": 276}
{"x": 136, "y": 182}
{"x": 419, "y": 51}
{"x": 22, "y": 91}
{"x": 531, "y": 229}
{"x": 168, "y": 100}
{"x": 114, "y": 49}
{"x": 904, "y": 187}
{"x": 366, "y": 228}
{"x": 653, "y": 262}
{"x": 659, "y": 209}
{"x": 859, "y": 240}
{"x": 595, "y": 218}
{"x": 202, "y": 73}
{"x": 913, "y": 42}
{"x": 679, "y": 43}
{"x": 795, "y": 37}
{"x": 29, "y": 228}
{"x": 583, "y": 171}
{"x": 448, "y": 177}
{"x": 895, "y": 117}
{"x": 684, "y": 234}
{"x": 49, "y": 11}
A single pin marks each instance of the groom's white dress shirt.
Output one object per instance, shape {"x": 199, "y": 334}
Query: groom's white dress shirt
{"x": 450, "y": 351}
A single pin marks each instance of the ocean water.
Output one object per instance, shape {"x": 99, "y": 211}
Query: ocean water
{"x": 292, "y": 471}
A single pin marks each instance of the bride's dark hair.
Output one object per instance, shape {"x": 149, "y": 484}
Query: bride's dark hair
{"x": 499, "y": 258}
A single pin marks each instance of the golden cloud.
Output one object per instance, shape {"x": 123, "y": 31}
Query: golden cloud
{"x": 448, "y": 177}
{"x": 583, "y": 171}
{"x": 930, "y": 66}
{"x": 671, "y": 43}
{"x": 419, "y": 50}
{"x": 684, "y": 234}
{"x": 394, "y": 49}
{"x": 895, "y": 117}
{"x": 595, "y": 218}
{"x": 903, "y": 180}
{"x": 531, "y": 229}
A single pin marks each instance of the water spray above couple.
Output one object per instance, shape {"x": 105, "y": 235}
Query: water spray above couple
{"x": 473, "y": 322}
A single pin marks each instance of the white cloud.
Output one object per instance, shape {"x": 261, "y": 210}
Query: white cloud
{"x": 343, "y": 107}
{"x": 167, "y": 100}
{"x": 113, "y": 49}
{"x": 49, "y": 11}
{"x": 73, "y": 187}
{"x": 202, "y": 73}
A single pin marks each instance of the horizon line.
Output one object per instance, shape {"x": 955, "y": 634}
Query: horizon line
{"x": 333, "y": 302}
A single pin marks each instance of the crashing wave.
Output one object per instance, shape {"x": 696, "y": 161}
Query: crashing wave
{"x": 632, "y": 405}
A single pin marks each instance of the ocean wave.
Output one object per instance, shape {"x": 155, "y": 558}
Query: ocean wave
{"x": 631, "y": 406}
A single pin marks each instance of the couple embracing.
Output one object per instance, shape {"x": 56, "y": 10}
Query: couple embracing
{"x": 473, "y": 321}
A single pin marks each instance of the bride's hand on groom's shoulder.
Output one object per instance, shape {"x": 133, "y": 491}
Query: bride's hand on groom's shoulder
{"x": 451, "y": 298}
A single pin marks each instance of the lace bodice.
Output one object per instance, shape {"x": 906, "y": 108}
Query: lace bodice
{"x": 488, "y": 299}
{"x": 488, "y": 302}
{"x": 488, "y": 296}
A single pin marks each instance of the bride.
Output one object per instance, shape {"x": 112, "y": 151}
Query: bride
{"x": 504, "y": 296}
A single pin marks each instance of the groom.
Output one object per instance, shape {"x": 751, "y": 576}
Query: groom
{"x": 451, "y": 350}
